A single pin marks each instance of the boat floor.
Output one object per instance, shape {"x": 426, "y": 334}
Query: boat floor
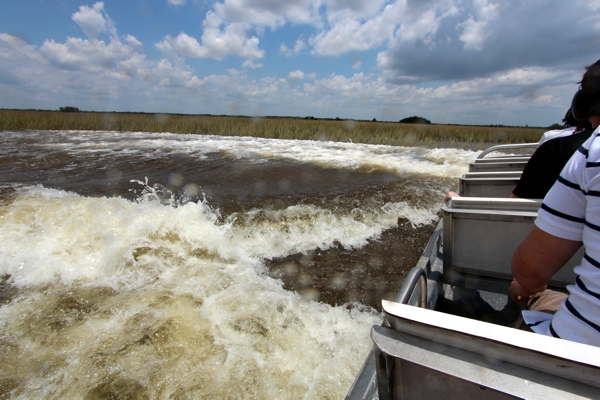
{"x": 478, "y": 304}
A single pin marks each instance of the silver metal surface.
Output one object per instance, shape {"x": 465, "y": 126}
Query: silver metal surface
{"x": 470, "y": 354}
{"x": 497, "y": 166}
{"x": 480, "y": 236}
{"x": 487, "y": 187}
{"x": 502, "y": 159}
{"x": 509, "y": 147}
{"x": 493, "y": 174}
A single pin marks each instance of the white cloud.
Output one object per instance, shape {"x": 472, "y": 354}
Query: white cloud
{"x": 177, "y": 2}
{"x": 423, "y": 24}
{"x": 270, "y": 13}
{"x": 133, "y": 42}
{"x": 354, "y": 33}
{"x": 94, "y": 20}
{"x": 83, "y": 54}
{"x": 251, "y": 65}
{"x": 298, "y": 47}
{"x": 463, "y": 43}
{"x": 476, "y": 31}
{"x": 216, "y": 43}
{"x": 296, "y": 75}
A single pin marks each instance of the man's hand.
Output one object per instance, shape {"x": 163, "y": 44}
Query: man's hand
{"x": 517, "y": 293}
{"x": 450, "y": 195}
{"x": 537, "y": 259}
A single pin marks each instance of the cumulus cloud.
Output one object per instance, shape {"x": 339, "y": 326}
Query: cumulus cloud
{"x": 300, "y": 75}
{"x": 476, "y": 31}
{"x": 481, "y": 38}
{"x": 216, "y": 43}
{"x": 93, "y": 20}
{"x": 94, "y": 73}
{"x": 251, "y": 65}
{"x": 270, "y": 13}
{"x": 82, "y": 54}
{"x": 296, "y": 75}
{"x": 133, "y": 42}
{"x": 476, "y": 58}
{"x": 298, "y": 47}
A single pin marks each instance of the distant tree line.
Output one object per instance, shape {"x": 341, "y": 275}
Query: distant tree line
{"x": 415, "y": 120}
{"x": 69, "y": 109}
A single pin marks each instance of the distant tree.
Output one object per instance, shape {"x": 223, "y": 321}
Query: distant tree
{"x": 337, "y": 118}
{"x": 374, "y": 120}
{"x": 415, "y": 120}
{"x": 69, "y": 109}
{"x": 556, "y": 126}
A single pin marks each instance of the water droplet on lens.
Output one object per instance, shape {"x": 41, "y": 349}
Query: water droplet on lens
{"x": 260, "y": 186}
{"x": 291, "y": 269}
{"x": 338, "y": 281}
{"x": 284, "y": 184}
{"x": 310, "y": 294}
{"x": 304, "y": 280}
{"x": 192, "y": 190}
{"x": 176, "y": 180}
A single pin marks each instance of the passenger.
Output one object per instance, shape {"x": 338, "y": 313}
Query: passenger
{"x": 570, "y": 126}
{"x": 548, "y": 160}
{"x": 544, "y": 166}
{"x": 569, "y": 217}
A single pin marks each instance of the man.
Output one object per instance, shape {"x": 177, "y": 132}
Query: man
{"x": 569, "y": 217}
{"x": 548, "y": 160}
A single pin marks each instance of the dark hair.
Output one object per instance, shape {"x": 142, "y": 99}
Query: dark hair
{"x": 569, "y": 121}
{"x": 586, "y": 101}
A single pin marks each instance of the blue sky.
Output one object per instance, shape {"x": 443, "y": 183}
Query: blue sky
{"x": 451, "y": 61}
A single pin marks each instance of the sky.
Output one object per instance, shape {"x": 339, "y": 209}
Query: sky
{"x": 503, "y": 62}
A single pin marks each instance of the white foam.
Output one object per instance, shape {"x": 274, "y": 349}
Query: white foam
{"x": 180, "y": 273}
{"x": 191, "y": 305}
{"x": 396, "y": 159}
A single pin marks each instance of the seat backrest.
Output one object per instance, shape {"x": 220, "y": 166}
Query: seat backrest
{"x": 429, "y": 354}
{"x": 501, "y": 159}
{"x": 493, "y": 174}
{"x": 480, "y": 236}
{"x": 487, "y": 187}
{"x": 497, "y": 166}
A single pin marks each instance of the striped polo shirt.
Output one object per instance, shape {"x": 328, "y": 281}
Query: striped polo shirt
{"x": 571, "y": 210}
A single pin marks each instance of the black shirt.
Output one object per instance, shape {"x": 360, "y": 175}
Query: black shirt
{"x": 546, "y": 163}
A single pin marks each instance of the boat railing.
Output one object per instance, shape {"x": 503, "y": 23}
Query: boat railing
{"x": 508, "y": 147}
{"x": 430, "y": 354}
{"x": 414, "y": 287}
{"x": 493, "y": 174}
{"x": 420, "y": 288}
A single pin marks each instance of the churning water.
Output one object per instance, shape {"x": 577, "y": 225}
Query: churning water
{"x": 137, "y": 265}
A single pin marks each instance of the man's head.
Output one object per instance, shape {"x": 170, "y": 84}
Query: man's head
{"x": 586, "y": 102}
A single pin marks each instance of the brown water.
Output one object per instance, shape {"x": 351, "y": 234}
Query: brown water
{"x": 155, "y": 266}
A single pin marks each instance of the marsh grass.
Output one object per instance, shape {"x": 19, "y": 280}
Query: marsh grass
{"x": 461, "y": 136}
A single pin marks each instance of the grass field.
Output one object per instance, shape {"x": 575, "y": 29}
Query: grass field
{"x": 463, "y": 136}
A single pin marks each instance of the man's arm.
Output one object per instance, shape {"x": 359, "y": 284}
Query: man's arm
{"x": 537, "y": 259}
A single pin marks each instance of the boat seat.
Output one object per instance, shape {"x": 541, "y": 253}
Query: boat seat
{"x": 427, "y": 354}
{"x": 480, "y": 236}
{"x": 501, "y": 159}
{"x": 487, "y": 186}
{"x": 493, "y": 174}
{"x": 497, "y": 166}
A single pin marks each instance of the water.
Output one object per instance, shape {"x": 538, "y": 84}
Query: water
{"x": 139, "y": 265}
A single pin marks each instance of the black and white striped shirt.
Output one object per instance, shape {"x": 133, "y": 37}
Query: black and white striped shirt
{"x": 571, "y": 210}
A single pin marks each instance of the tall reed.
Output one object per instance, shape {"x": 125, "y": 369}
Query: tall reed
{"x": 474, "y": 137}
